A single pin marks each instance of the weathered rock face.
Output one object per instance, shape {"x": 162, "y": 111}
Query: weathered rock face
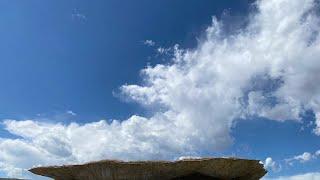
{"x": 211, "y": 168}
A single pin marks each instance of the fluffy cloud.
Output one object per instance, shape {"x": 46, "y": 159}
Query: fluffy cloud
{"x": 276, "y": 166}
{"x": 304, "y": 157}
{"x": 268, "y": 68}
{"x": 307, "y": 176}
{"x": 270, "y": 164}
{"x": 137, "y": 138}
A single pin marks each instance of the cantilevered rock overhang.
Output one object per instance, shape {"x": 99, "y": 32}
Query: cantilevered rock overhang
{"x": 208, "y": 168}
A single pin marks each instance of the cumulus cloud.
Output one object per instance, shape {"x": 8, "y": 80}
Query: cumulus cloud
{"x": 270, "y": 164}
{"x": 268, "y": 68}
{"x": 276, "y": 166}
{"x": 306, "y": 176}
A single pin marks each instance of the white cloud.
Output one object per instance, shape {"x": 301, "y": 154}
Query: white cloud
{"x": 306, "y": 156}
{"x": 71, "y": 113}
{"x": 200, "y": 94}
{"x": 317, "y": 129}
{"x": 188, "y": 157}
{"x": 257, "y": 105}
{"x": 149, "y": 42}
{"x": 306, "y": 176}
{"x": 270, "y": 164}
{"x": 162, "y": 50}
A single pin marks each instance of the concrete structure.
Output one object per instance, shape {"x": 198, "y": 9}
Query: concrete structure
{"x": 209, "y": 168}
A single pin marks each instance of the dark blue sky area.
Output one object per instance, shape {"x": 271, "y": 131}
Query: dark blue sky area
{"x": 71, "y": 55}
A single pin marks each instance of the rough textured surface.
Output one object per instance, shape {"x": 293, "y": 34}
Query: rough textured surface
{"x": 211, "y": 168}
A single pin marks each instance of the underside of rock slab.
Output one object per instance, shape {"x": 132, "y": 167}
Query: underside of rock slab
{"x": 207, "y": 168}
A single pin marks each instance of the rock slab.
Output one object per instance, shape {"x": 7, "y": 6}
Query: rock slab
{"x": 206, "y": 168}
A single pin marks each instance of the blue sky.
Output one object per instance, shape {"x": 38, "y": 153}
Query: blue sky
{"x": 61, "y": 61}
{"x": 230, "y": 78}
